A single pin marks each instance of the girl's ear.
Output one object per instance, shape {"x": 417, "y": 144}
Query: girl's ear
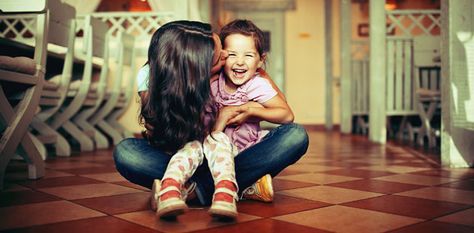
{"x": 262, "y": 60}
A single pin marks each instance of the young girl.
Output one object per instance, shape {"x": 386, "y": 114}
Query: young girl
{"x": 240, "y": 86}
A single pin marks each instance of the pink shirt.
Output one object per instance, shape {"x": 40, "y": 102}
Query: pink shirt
{"x": 257, "y": 89}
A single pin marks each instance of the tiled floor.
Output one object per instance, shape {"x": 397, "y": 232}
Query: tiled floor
{"x": 343, "y": 184}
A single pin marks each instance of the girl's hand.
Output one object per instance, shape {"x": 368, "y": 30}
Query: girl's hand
{"x": 245, "y": 113}
{"x": 225, "y": 114}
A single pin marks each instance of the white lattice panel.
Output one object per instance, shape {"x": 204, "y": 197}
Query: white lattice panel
{"x": 19, "y": 28}
{"x": 411, "y": 23}
{"x": 138, "y": 24}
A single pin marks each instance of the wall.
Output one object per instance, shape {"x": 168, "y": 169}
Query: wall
{"x": 305, "y": 67}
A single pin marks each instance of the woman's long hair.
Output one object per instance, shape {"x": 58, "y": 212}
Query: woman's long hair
{"x": 180, "y": 57}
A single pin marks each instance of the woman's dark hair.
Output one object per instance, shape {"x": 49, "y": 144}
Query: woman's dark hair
{"x": 180, "y": 57}
{"x": 246, "y": 28}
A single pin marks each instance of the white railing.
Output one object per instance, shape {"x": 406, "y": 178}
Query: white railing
{"x": 411, "y": 23}
{"x": 140, "y": 25}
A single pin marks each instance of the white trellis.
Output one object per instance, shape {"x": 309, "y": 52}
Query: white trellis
{"x": 412, "y": 23}
{"x": 19, "y": 28}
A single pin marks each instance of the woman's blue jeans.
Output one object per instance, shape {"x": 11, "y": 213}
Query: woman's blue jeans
{"x": 141, "y": 163}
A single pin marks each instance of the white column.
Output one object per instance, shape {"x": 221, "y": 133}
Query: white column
{"x": 377, "y": 93}
{"x": 457, "y": 52}
{"x": 346, "y": 37}
{"x": 329, "y": 75}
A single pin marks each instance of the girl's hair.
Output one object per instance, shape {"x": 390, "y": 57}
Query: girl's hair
{"x": 180, "y": 57}
{"x": 246, "y": 28}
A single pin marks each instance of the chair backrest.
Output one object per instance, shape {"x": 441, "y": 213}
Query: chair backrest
{"x": 16, "y": 8}
{"x": 399, "y": 82}
{"x": 23, "y": 6}
{"x": 61, "y": 18}
{"x": 426, "y": 61}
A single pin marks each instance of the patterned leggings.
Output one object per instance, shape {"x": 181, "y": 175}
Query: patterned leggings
{"x": 219, "y": 152}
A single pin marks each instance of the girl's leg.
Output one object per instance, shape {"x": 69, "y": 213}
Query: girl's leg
{"x": 181, "y": 167}
{"x": 220, "y": 154}
{"x": 280, "y": 148}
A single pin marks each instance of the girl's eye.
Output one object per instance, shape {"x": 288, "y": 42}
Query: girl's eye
{"x": 232, "y": 55}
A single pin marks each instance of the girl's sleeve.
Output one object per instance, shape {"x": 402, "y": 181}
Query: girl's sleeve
{"x": 142, "y": 78}
{"x": 260, "y": 90}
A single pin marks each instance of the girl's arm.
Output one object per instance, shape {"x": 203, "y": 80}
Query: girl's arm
{"x": 275, "y": 110}
{"x": 265, "y": 75}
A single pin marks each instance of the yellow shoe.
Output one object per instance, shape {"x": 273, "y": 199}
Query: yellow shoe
{"x": 262, "y": 190}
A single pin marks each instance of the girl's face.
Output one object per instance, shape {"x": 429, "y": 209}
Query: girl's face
{"x": 243, "y": 60}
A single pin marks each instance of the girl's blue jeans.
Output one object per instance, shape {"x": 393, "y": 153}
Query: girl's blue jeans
{"x": 141, "y": 163}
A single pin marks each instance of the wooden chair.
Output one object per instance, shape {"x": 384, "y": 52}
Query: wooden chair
{"x": 28, "y": 74}
{"x": 127, "y": 93}
{"x": 427, "y": 75}
{"x": 55, "y": 89}
{"x": 97, "y": 92}
{"x": 116, "y": 97}
{"x": 94, "y": 44}
{"x": 399, "y": 83}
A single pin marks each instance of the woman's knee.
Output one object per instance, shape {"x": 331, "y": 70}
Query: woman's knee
{"x": 296, "y": 137}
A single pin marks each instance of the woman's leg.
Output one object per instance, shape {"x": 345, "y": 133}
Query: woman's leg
{"x": 280, "y": 148}
{"x": 139, "y": 162}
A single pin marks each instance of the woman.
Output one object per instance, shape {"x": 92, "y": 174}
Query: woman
{"x": 141, "y": 161}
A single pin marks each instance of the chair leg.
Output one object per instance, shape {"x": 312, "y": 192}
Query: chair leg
{"x": 100, "y": 140}
{"x": 16, "y": 132}
{"x": 86, "y": 143}
{"x": 109, "y": 130}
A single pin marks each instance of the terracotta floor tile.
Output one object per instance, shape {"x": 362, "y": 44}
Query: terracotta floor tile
{"x": 435, "y": 227}
{"x": 394, "y": 168}
{"x": 43, "y": 213}
{"x": 416, "y": 179}
{"x": 90, "y": 170}
{"x": 377, "y": 186}
{"x": 328, "y": 194}
{"x": 465, "y": 217}
{"x": 88, "y": 191}
{"x": 192, "y": 220}
{"x": 23, "y": 176}
{"x": 345, "y": 164}
{"x": 347, "y": 219}
{"x": 281, "y": 205}
{"x": 442, "y": 194}
{"x": 59, "y": 165}
{"x": 24, "y": 197}
{"x": 131, "y": 185}
{"x": 317, "y": 178}
{"x": 118, "y": 204}
{"x": 456, "y": 173}
{"x": 90, "y": 225}
{"x": 106, "y": 177}
{"x": 463, "y": 184}
{"x": 12, "y": 187}
{"x": 58, "y": 182}
{"x": 311, "y": 168}
{"x": 281, "y": 184}
{"x": 264, "y": 226}
{"x": 359, "y": 173}
{"x": 408, "y": 206}
{"x": 288, "y": 172}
